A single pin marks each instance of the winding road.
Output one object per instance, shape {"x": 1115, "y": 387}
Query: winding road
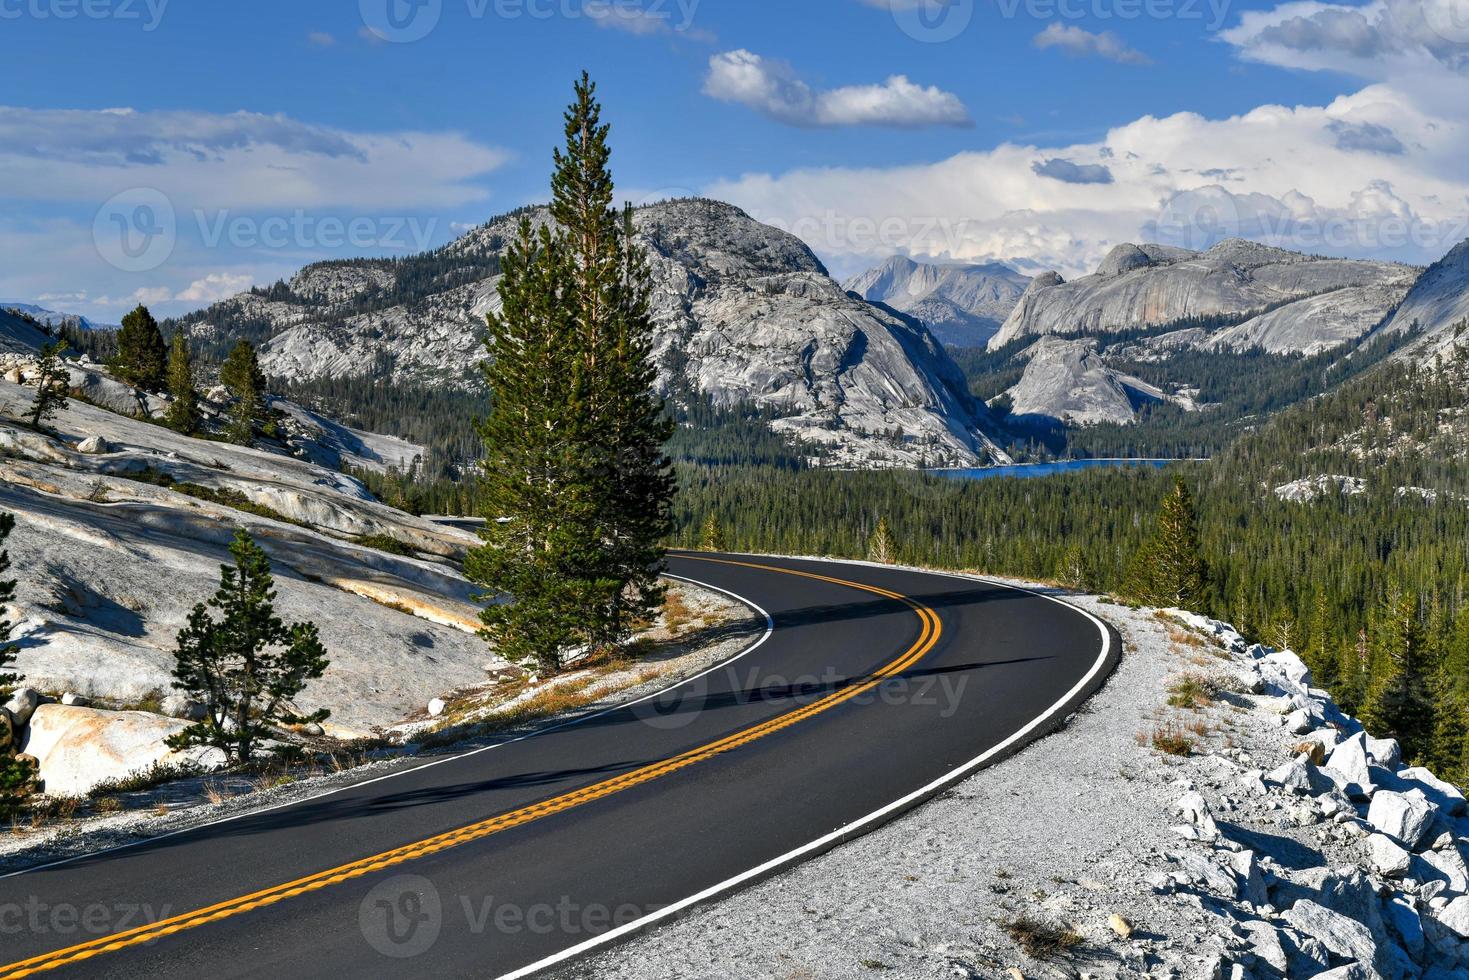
{"x": 871, "y": 690}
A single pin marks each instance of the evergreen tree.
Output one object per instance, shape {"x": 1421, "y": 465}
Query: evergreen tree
{"x": 142, "y": 356}
{"x": 241, "y": 375}
{"x": 52, "y": 381}
{"x": 1450, "y": 749}
{"x": 17, "y": 777}
{"x": 575, "y": 482}
{"x": 622, "y": 426}
{"x": 540, "y": 553}
{"x": 183, "y": 411}
{"x": 247, "y": 667}
{"x": 880, "y": 547}
{"x": 1399, "y": 702}
{"x": 1169, "y": 569}
{"x": 1321, "y": 651}
{"x": 712, "y": 537}
{"x": 1074, "y": 572}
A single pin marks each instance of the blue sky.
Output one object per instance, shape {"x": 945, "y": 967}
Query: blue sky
{"x": 264, "y": 135}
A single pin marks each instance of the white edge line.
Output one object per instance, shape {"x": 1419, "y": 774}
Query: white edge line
{"x": 769, "y": 629}
{"x": 952, "y": 776}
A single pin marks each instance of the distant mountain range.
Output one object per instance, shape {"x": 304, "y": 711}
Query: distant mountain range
{"x": 747, "y": 316}
{"x": 964, "y": 305}
{"x": 55, "y": 318}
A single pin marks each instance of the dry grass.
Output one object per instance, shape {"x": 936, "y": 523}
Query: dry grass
{"x": 1192, "y": 691}
{"x": 676, "y": 612}
{"x": 1170, "y": 739}
{"x": 1041, "y": 940}
{"x": 217, "y": 793}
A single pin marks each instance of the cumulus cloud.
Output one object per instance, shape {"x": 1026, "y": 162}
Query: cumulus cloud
{"x": 1072, "y": 173}
{"x": 1313, "y": 178}
{"x": 214, "y": 287}
{"x": 1380, "y": 39}
{"x": 1366, "y": 137}
{"x": 773, "y": 89}
{"x": 1083, "y": 43}
{"x": 239, "y": 159}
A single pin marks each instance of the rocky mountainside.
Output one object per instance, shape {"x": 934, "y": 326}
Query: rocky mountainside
{"x": 56, "y": 318}
{"x": 963, "y": 305}
{"x": 747, "y": 315}
{"x": 1069, "y": 381}
{"x": 1280, "y": 300}
{"x": 1438, "y": 303}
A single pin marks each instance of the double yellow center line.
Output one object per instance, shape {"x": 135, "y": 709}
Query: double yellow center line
{"x": 505, "y": 821}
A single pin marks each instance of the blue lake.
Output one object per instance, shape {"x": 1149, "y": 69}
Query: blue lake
{"x": 1024, "y": 470}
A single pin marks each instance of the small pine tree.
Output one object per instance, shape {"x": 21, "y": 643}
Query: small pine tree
{"x": 1399, "y": 701}
{"x": 242, "y": 377}
{"x": 1321, "y": 651}
{"x": 1169, "y": 570}
{"x": 1074, "y": 572}
{"x": 247, "y": 666}
{"x": 17, "y": 777}
{"x": 880, "y": 546}
{"x": 142, "y": 356}
{"x": 52, "y": 381}
{"x": 713, "y": 538}
{"x": 183, "y": 411}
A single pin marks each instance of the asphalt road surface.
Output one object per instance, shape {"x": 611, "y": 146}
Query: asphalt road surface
{"x": 872, "y": 690}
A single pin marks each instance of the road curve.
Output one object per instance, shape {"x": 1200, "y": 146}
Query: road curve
{"x": 872, "y": 689}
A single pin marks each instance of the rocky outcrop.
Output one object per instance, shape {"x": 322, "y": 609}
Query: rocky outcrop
{"x": 79, "y": 748}
{"x": 962, "y": 304}
{"x": 1301, "y": 302}
{"x": 1067, "y": 380}
{"x": 746, "y": 315}
{"x": 1438, "y": 303}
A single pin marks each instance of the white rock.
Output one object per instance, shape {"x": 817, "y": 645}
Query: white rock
{"x": 1299, "y": 722}
{"x": 1384, "y": 752}
{"x": 1446, "y": 795}
{"x": 1408, "y": 817}
{"x": 1345, "y": 937}
{"x": 1349, "y": 761}
{"x": 1265, "y": 943}
{"x": 94, "y": 446}
{"x": 436, "y": 707}
{"x": 74, "y": 700}
{"x": 1403, "y": 918}
{"x": 1195, "y": 810}
{"x": 1455, "y": 917}
{"x": 179, "y": 706}
{"x": 79, "y": 747}
{"x": 1388, "y": 858}
{"x": 1251, "y": 880}
{"x": 1449, "y": 866}
{"x": 1295, "y": 775}
{"x": 22, "y": 703}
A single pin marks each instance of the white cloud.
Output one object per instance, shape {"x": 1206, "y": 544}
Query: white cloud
{"x": 773, "y": 89}
{"x": 234, "y": 160}
{"x": 1276, "y": 173}
{"x": 214, "y": 287}
{"x": 1381, "y": 39}
{"x": 1070, "y": 172}
{"x": 663, "y": 19}
{"x": 321, "y": 39}
{"x": 1083, "y": 43}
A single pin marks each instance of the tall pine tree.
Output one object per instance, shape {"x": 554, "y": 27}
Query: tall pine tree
{"x": 51, "y": 381}
{"x": 142, "y": 356}
{"x": 241, "y": 375}
{"x": 576, "y": 487}
{"x": 1399, "y": 701}
{"x": 183, "y": 411}
{"x": 1169, "y": 570}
